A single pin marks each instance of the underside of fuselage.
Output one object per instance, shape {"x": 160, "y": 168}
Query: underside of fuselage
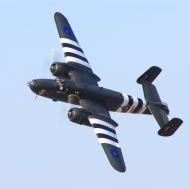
{"x": 59, "y": 90}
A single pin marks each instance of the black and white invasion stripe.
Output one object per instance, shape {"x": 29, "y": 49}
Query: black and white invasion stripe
{"x": 73, "y": 52}
{"x": 105, "y": 132}
{"x": 132, "y": 104}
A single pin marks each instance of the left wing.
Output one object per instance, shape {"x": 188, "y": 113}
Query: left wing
{"x": 104, "y": 128}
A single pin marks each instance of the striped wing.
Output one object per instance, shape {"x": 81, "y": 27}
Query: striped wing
{"x": 106, "y": 134}
{"x": 72, "y": 51}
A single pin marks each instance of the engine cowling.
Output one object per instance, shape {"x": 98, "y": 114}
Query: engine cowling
{"x": 79, "y": 116}
{"x": 60, "y": 69}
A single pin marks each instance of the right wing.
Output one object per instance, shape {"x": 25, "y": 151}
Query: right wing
{"x": 104, "y": 128}
{"x": 72, "y": 51}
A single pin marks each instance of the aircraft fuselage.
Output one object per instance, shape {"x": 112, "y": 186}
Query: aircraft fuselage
{"x": 66, "y": 91}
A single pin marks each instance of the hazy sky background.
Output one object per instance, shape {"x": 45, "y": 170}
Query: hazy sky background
{"x": 39, "y": 147}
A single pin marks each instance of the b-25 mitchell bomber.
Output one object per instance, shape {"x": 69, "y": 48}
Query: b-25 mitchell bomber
{"x": 77, "y": 84}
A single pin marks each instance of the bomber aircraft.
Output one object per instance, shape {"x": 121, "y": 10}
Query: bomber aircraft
{"x": 77, "y": 84}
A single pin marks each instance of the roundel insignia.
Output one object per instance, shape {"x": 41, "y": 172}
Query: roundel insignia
{"x": 125, "y": 108}
{"x": 67, "y": 30}
{"x": 114, "y": 153}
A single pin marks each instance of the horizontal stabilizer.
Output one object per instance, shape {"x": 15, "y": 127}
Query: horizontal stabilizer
{"x": 150, "y": 75}
{"x": 171, "y": 127}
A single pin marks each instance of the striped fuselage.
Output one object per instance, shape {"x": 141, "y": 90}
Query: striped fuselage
{"x": 133, "y": 105}
{"x": 111, "y": 100}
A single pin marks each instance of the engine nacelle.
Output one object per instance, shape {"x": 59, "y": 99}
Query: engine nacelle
{"x": 60, "y": 69}
{"x": 79, "y": 116}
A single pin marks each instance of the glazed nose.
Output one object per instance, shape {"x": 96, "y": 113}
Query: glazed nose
{"x": 45, "y": 84}
{"x": 34, "y": 84}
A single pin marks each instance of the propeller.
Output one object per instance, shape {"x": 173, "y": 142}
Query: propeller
{"x": 36, "y": 97}
{"x": 55, "y": 55}
{"x": 70, "y": 114}
{"x": 28, "y": 84}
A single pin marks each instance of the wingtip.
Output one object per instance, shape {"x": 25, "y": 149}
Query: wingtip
{"x": 156, "y": 68}
{"x": 115, "y": 157}
{"x": 59, "y": 15}
{"x": 119, "y": 165}
{"x": 121, "y": 169}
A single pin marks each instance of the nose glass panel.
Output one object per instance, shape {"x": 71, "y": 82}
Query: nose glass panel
{"x": 44, "y": 84}
{"x": 33, "y": 85}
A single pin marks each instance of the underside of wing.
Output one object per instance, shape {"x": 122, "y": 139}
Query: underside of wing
{"x": 104, "y": 128}
{"x": 74, "y": 54}
{"x": 106, "y": 134}
{"x": 72, "y": 51}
